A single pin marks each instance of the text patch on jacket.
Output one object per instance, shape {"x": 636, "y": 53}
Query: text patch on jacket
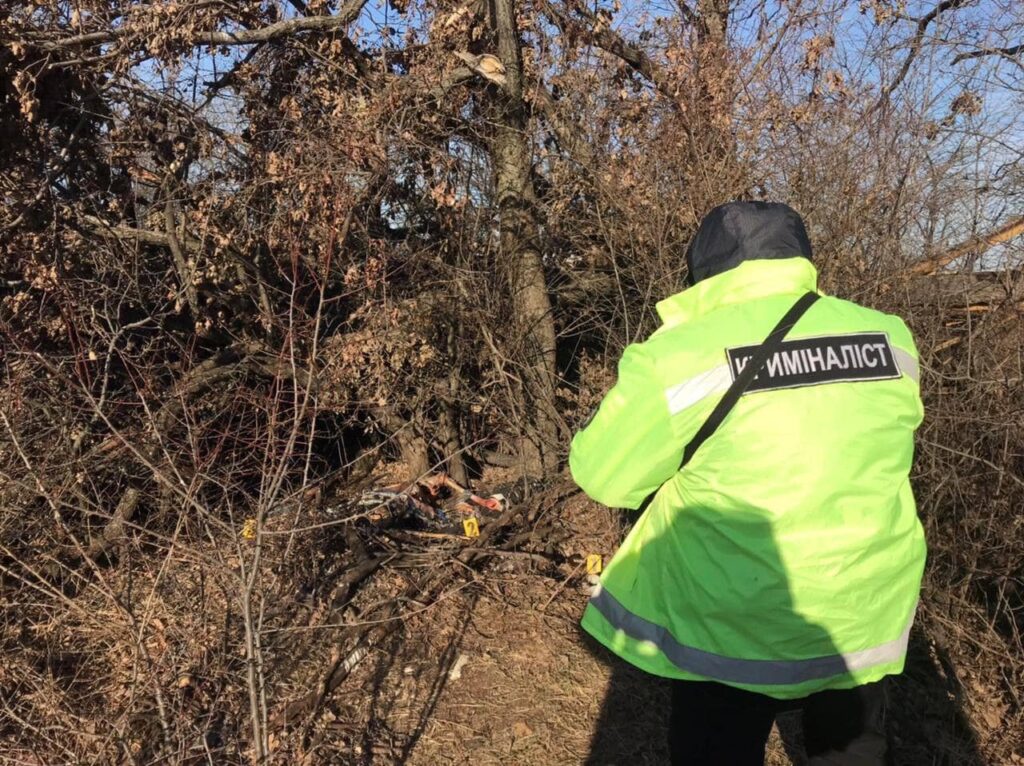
{"x": 825, "y": 359}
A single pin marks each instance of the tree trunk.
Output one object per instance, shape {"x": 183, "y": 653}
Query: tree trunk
{"x": 519, "y": 230}
{"x": 412, "y": 445}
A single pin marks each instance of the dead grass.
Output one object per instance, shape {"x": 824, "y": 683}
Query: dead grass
{"x": 143, "y": 661}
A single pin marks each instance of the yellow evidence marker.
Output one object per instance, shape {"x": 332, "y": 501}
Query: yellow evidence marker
{"x": 594, "y": 563}
{"x": 471, "y": 527}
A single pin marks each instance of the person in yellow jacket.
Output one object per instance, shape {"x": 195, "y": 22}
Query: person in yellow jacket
{"x": 780, "y": 566}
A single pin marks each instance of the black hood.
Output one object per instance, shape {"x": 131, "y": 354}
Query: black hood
{"x": 745, "y": 231}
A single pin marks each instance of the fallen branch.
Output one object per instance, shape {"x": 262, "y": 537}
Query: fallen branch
{"x": 113, "y": 530}
{"x": 389, "y": 622}
{"x": 974, "y": 246}
{"x": 203, "y": 376}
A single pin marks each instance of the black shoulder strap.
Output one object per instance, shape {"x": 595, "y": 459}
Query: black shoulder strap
{"x": 742, "y": 382}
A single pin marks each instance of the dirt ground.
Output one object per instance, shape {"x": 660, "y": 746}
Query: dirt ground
{"x": 498, "y": 672}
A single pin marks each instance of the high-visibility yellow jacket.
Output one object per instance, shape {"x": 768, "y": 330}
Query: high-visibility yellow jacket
{"x": 786, "y": 557}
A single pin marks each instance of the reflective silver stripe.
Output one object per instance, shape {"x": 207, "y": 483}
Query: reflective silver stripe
{"x": 717, "y": 379}
{"x": 731, "y": 669}
{"x": 907, "y": 364}
{"x": 692, "y": 390}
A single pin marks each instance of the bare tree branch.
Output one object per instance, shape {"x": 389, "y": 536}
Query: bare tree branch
{"x": 349, "y": 12}
{"x": 180, "y": 261}
{"x": 609, "y": 40}
{"x": 687, "y": 13}
{"x": 147, "y": 237}
{"x": 915, "y": 47}
{"x": 1013, "y": 50}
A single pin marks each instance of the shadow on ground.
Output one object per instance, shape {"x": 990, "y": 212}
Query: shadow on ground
{"x": 634, "y": 717}
{"x": 924, "y": 720}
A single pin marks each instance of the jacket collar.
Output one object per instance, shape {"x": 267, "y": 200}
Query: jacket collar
{"x": 749, "y": 280}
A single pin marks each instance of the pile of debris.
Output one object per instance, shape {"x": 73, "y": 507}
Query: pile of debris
{"x": 437, "y": 503}
{"x": 395, "y": 550}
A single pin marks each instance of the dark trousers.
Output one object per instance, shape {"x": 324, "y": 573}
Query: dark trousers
{"x": 713, "y": 724}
